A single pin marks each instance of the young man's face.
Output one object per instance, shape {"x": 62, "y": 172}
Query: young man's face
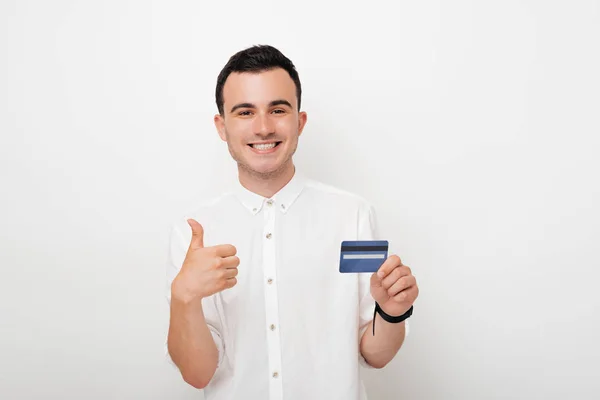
{"x": 261, "y": 123}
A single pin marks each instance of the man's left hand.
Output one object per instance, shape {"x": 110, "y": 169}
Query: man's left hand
{"x": 394, "y": 287}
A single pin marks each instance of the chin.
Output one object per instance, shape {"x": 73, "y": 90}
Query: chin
{"x": 265, "y": 170}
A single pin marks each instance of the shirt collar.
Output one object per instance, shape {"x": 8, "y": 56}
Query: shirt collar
{"x": 282, "y": 200}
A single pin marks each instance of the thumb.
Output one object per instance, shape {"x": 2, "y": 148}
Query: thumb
{"x": 197, "y": 234}
{"x": 375, "y": 279}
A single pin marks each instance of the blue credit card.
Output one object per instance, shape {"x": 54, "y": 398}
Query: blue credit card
{"x": 363, "y": 255}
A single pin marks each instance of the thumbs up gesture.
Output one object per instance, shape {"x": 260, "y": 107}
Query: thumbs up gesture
{"x": 205, "y": 270}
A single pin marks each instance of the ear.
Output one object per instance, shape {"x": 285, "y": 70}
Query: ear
{"x": 302, "y": 117}
{"x": 220, "y": 125}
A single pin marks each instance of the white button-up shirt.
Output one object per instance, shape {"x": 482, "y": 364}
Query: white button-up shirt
{"x": 291, "y": 327}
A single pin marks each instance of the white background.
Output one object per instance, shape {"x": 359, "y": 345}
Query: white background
{"x": 472, "y": 126}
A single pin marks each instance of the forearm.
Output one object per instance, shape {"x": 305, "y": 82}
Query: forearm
{"x": 190, "y": 342}
{"x": 380, "y": 349}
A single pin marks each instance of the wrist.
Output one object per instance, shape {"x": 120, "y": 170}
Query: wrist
{"x": 392, "y": 312}
{"x": 393, "y": 319}
{"x": 181, "y": 294}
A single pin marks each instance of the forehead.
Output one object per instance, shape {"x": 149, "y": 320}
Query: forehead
{"x": 259, "y": 88}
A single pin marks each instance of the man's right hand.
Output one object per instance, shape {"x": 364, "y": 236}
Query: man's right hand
{"x": 205, "y": 270}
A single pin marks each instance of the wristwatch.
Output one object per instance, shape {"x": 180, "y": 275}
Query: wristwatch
{"x": 389, "y": 318}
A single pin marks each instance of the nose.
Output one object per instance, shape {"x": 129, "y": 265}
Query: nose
{"x": 263, "y": 125}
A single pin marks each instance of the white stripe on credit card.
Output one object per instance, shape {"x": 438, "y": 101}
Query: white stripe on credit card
{"x": 362, "y": 256}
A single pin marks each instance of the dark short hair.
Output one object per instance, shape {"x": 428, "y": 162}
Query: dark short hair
{"x": 256, "y": 59}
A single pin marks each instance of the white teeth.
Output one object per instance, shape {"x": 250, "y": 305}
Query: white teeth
{"x": 264, "y": 146}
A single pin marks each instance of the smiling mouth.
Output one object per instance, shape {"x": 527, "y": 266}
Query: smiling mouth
{"x": 264, "y": 146}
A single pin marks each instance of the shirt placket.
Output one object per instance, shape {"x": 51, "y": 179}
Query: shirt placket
{"x": 271, "y": 303}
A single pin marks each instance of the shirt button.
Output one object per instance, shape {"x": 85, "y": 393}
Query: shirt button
{"x": 272, "y": 327}
{"x": 283, "y": 206}
{"x": 275, "y": 374}
{"x": 269, "y": 203}
{"x": 269, "y": 281}
{"x": 254, "y": 209}
{"x": 269, "y": 235}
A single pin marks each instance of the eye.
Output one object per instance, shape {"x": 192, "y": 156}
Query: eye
{"x": 244, "y": 113}
{"x": 278, "y": 111}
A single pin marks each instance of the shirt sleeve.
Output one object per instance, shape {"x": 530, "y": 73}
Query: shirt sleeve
{"x": 367, "y": 230}
{"x": 178, "y": 246}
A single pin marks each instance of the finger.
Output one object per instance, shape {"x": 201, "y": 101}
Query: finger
{"x": 409, "y": 294}
{"x": 395, "y": 275}
{"x": 375, "y": 281}
{"x": 225, "y": 250}
{"x": 401, "y": 284}
{"x": 222, "y": 275}
{"x": 197, "y": 240}
{"x": 388, "y": 266}
{"x": 229, "y": 283}
{"x": 230, "y": 262}
{"x": 230, "y": 273}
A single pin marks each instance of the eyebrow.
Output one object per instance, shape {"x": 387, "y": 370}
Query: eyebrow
{"x": 271, "y": 104}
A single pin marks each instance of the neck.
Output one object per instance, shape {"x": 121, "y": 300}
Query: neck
{"x": 269, "y": 184}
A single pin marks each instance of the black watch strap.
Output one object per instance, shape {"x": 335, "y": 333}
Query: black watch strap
{"x": 389, "y": 318}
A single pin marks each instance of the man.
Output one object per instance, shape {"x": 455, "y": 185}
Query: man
{"x": 259, "y": 309}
